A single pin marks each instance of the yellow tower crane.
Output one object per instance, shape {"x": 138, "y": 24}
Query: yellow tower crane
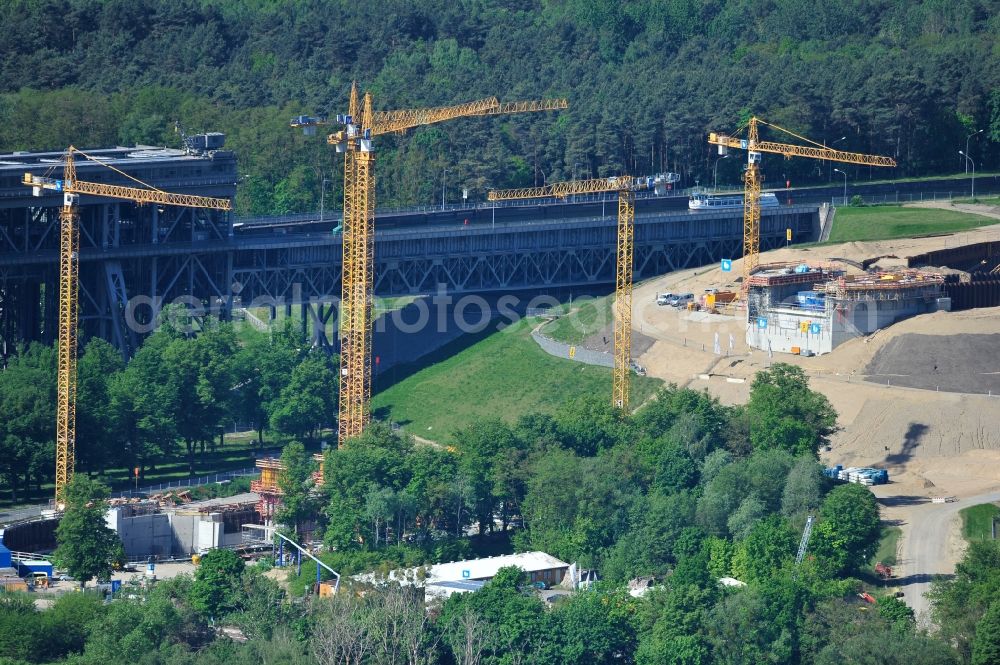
{"x": 69, "y": 249}
{"x": 752, "y": 179}
{"x": 360, "y": 125}
{"x": 626, "y": 188}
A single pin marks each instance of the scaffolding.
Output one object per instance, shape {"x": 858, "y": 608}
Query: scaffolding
{"x": 270, "y": 491}
{"x": 766, "y": 288}
{"x": 267, "y": 488}
{"x": 885, "y": 285}
{"x": 317, "y": 475}
{"x": 814, "y": 308}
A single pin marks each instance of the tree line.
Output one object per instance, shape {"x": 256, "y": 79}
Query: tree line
{"x": 646, "y": 80}
{"x": 686, "y": 491}
{"x": 588, "y": 484}
{"x": 172, "y": 401}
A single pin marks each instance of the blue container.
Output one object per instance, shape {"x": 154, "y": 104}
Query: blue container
{"x": 36, "y": 566}
{"x": 4, "y": 556}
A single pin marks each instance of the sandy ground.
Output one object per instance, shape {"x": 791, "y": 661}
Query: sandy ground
{"x": 919, "y": 433}
{"x": 936, "y": 444}
{"x": 164, "y": 571}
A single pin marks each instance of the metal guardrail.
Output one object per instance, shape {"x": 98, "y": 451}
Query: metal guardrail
{"x": 15, "y": 555}
{"x": 187, "y": 482}
{"x": 332, "y": 215}
{"x": 904, "y": 197}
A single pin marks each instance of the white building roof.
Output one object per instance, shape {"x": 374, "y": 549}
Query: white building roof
{"x": 471, "y": 569}
{"x": 460, "y": 585}
{"x": 480, "y": 569}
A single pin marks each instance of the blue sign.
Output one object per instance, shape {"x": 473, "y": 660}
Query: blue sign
{"x": 727, "y": 265}
{"x": 466, "y": 574}
{"x": 814, "y": 328}
{"x": 761, "y": 322}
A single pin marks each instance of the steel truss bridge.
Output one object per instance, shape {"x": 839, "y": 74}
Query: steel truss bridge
{"x": 135, "y": 260}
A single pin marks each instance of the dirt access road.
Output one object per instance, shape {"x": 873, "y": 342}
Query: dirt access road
{"x": 932, "y": 543}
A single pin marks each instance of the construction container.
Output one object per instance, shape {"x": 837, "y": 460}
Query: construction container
{"x": 796, "y": 350}
{"x": 35, "y": 566}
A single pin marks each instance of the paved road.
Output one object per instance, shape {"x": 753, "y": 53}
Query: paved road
{"x": 929, "y": 543}
{"x": 10, "y": 515}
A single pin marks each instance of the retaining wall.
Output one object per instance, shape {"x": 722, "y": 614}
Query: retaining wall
{"x": 573, "y": 352}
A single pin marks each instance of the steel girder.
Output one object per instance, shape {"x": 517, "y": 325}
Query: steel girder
{"x": 217, "y": 275}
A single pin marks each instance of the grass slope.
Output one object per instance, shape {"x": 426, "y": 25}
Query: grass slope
{"x": 504, "y": 375}
{"x": 888, "y": 222}
{"x": 584, "y": 318}
{"x": 887, "y": 546}
{"x": 977, "y": 521}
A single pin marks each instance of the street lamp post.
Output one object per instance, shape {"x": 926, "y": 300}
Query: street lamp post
{"x": 444, "y": 179}
{"x": 715, "y": 173}
{"x": 842, "y": 138}
{"x": 969, "y": 159}
{"x": 845, "y": 184}
{"x": 322, "y": 198}
{"x": 966, "y": 153}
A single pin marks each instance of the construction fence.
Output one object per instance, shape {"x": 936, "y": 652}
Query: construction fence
{"x": 223, "y": 476}
{"x": 907, "y": 197}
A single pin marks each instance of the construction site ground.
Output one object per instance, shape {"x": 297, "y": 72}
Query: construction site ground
{"x": 937, "y": 430}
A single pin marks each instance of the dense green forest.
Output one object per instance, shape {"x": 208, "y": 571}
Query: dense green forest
{"x": 170, "y": 403}
{"x": 687, "y": 490}
{"x": 646, "y": 79}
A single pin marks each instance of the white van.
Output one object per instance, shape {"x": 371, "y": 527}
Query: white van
{"x": 682, "y": 299}
{"x": 664, "y": 299}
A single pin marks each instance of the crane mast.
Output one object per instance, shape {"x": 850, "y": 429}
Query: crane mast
{"x": 623, "y": 299}
{"x": 69, "y": 285}
{"x": 69, "y": 251}
{"x": 752, "y": 179}
{"x": 357, "y": 281}
{"x": 361, "y": 124}
{"x": 626, "y": 188}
